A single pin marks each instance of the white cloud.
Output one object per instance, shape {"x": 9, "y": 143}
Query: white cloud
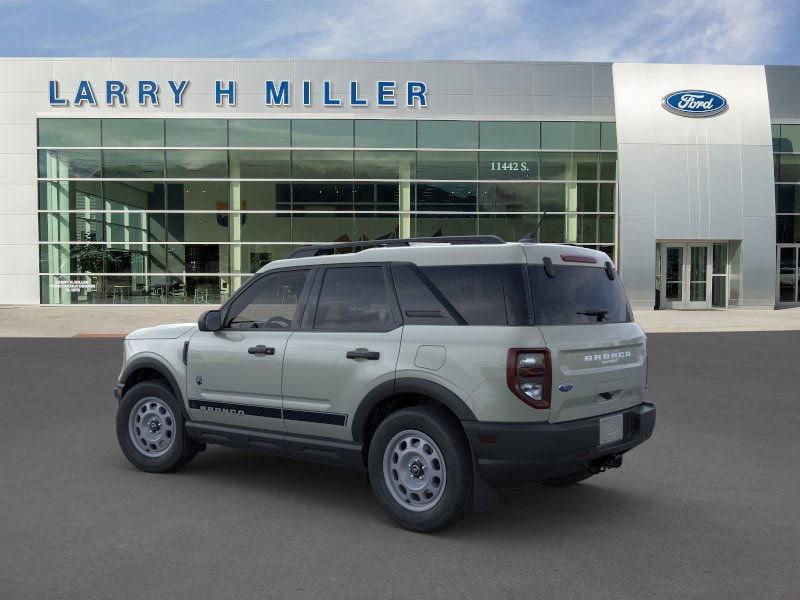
{"x": 713, "y": 31}
{"x": 736, "y": 31}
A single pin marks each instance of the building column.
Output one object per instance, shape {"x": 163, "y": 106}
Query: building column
{"x": 404, "y": 228}
{"x": 235, "y": 226}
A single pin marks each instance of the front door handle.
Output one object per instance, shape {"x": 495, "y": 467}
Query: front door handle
{"x": 363, "y": 353}
{"x": 261, "y": 350}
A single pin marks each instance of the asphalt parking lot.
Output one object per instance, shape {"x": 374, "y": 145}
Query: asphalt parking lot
{"x": 708, "y": 508}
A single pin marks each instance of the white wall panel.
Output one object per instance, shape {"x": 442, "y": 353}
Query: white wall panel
{"x": 727, "y": 170}
{"x": 19, "y": 289}
{"x": 15, "y": 136}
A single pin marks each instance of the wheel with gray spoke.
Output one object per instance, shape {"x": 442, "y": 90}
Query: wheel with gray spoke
{"x": 414, "y": 470}
{"x": 421, "y": 468}
{"x": 150, "y": 428}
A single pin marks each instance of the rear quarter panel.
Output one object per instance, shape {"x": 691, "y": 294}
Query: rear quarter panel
{"x": 474, "y": 366}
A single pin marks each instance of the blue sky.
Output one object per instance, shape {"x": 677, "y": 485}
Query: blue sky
{"x": 712, "y": 31}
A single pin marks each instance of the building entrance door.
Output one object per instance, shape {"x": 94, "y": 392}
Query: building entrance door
{"x": 686, "y": 275}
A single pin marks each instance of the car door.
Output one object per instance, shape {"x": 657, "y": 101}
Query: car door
{"x": 234, "y": 374}
{"x": 348, "y": 344}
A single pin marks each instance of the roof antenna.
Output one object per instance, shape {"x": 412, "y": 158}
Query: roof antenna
{"x": 531, "y": 237}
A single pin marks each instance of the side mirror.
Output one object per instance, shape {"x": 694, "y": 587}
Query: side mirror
{"x": 211, "y": 320}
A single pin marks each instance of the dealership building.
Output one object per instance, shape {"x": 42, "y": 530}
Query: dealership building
{"x": 167, "y": 181}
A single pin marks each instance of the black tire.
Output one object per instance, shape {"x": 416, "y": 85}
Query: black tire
{"x": 182, "y": 449}
{"x": 566, "y": 480}
{"x": 448, "y": 435}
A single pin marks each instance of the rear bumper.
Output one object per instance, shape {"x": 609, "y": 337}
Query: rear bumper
{"x": 527, "y": 452}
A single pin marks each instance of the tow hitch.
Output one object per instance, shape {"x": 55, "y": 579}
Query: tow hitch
{"x": 599, "y": 465}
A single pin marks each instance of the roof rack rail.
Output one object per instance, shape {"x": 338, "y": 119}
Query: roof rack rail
{"x": 351, "y": 247}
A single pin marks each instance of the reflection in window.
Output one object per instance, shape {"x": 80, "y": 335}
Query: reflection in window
{"x": 509, "y": 134}
{"x": 606, "y": 197}
{"x": 587, "y": 197}
{"x": 379, "y": 196}
{"x": 383, "y": 133}
{"x": 553, "y": 197}
{"x": 190, "y": 223}
{"x": 198, "y": 227}
{"x": 133, "y": 132}
{"x": 508, "y": 197}
{"x": 322, "y": 196}
{"x": 263, "y": 195}
{"x": 70, "y": 195}
{"x": 67, "y": 164}
{"x": 585, "y": 166}
{"x": 435, "y": 225}
{"x": 134, "y": 195}
{"x": 197, "y": 164}
{"x": 789, "y": 168}
{"x": 447, "y": 165}
{"x": 608, "y": 136}
{"x": 385, "y": 165}
{"x": 509, "y": 227}
{"x": 446, "y": 197}
{"x": 447, "y": 134}
{"x": 258, "y": 133}
{"x": 198, "y": 195}
{"x": 509, "y": 165}
{"x": 66, "y": 133}
{"x": 353, "y": 299}
{"x": 322, "y": 227}
{"x": 376, "y": 226}
{"x": 322, "y": 133}
{"x": 260, "y": 164}
{"x": 322, "y": 164}
{"x": 133, "y": 164}
{"x": 557, "y": 165}
{"x": 197, "y": 133}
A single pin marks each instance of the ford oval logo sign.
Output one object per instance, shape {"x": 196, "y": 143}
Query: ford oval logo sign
{"x": 695, "y": 103}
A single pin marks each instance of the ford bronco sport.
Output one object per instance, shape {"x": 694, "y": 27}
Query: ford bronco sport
{"x": 445, "y": 368}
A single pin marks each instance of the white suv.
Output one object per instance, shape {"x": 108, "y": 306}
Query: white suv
{"x": 445, "y": 368}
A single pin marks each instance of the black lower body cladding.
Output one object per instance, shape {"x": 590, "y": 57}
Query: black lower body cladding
{"x": 513, "y": 454}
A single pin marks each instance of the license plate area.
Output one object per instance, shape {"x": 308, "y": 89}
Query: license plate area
{"x": 611, "y": 429}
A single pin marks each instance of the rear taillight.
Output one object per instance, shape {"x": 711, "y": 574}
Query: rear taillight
{"x": 528, "y": 375}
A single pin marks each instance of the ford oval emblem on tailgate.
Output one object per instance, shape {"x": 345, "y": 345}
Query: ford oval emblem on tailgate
{"x": 565, "y": 387}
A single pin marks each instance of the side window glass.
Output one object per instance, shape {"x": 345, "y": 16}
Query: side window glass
{"x": 417, "y": 302}
{"x": 476, "y": 292}
{"x": 353, "y": 299}
{"x": 270, "y": 303}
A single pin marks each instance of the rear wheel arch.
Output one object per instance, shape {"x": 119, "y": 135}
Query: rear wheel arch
{"x": 404, "y": 392}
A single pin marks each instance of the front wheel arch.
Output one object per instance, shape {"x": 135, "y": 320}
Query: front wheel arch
{"x": 146, "y": 369}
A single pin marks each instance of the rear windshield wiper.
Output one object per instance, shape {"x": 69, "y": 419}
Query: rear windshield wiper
{"x": 600, "y": 313}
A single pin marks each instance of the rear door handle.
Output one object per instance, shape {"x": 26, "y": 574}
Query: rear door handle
{"x": 363, "y": 353}
{"x": 261, "y": 350}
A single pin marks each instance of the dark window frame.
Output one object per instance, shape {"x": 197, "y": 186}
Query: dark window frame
{"x": 310, "y": 314}
{"x": 518, "y": 313}
{"x": 300, "y": 309}
{"x": 531, "y": 284}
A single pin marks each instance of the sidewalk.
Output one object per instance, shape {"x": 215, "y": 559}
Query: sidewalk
{"x": 117, "y": 321}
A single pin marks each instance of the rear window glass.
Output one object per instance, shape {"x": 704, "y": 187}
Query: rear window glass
{"x": 577, "y": 295}
{"x": 419, "y": 302}
{"x": 476, "y": 292}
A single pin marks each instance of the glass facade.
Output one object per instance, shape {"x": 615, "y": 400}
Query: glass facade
{"x": 786, "y": 148}
{"x": 183, "y": 210}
